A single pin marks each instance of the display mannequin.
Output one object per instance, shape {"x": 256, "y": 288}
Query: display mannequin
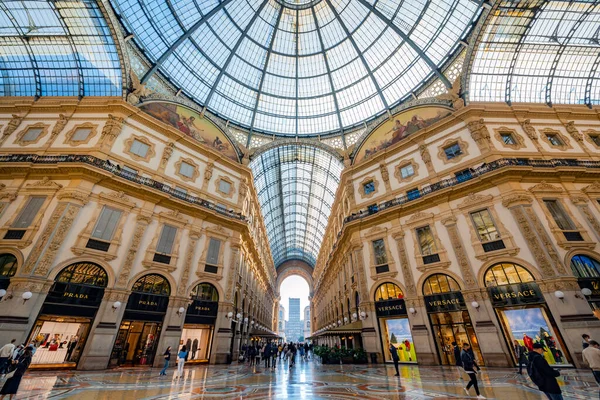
{"x": 528, "y": 342}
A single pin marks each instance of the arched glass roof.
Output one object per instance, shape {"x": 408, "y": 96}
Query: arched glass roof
{"x": 296, "y": 185}
{"x": 539, "y": 51}
{"x": 298, "y": 67}
{"x": 57, "y": 48}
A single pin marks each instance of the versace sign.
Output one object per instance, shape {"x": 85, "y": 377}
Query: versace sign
{"x": 390, "y": 308}
{"x": 445, "y": 302}
{"x": 515, "y": 294}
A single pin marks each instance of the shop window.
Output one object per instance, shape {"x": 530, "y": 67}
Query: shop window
{"x": 554, "y": 139}
{"x": 440, "y": 283}
{"x": 508, "y": 138}
{"x": 585, "y": 267}
{"x": 369, "y": 187}
{"x": 104, "y": 230}
{"x": 152, "y": 284}
{"x": 165, "y": 244}
{"x": 452, "y": 151}
{"x": 186, "y": 169}
{"x": 506, "y": 274}
{"x": 84, "y": 274}
{"x": 205, "y": 291}
{"x": 139, "y": 148}
{"x": 407, "y": 171}
{"x": 388, "y": 291}
{"x": 427, "y": 245}
{"x": 32, "y": 134}
{"x": 8, "y": 268}
{"x": 81, "y": 134}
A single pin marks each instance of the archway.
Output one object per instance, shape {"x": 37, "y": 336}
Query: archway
{"x": 294, "y": 283}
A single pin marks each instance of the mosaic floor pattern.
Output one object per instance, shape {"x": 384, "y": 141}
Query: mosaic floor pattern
{"x": 307, "y": 380}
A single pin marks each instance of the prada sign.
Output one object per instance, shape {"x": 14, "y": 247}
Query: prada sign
{"x": 593, "y": 284}
{"x": 71, "y": 299}
{"x": 390, "y": 308}
{"x": 515, "y": 294}
{"x": 445, "y": 302}
{"x": 202, "y": 312}
{"x": 147, "y": 302}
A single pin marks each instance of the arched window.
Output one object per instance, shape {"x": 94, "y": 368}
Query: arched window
{"x": 152, "y": 284}
{"x": 83, "y": 273}
{"x": 440, "y": 283}
{"x": 205, "y": 291}
{"x": 585, "y": 267}
{"x": 506, "y": 274}
{"x": 356, "y": 299}
{"x": 388, "y": 291}
{"x": 8, "y": 265}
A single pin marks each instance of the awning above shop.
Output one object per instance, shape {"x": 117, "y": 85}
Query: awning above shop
{"x": 349, "y": 329}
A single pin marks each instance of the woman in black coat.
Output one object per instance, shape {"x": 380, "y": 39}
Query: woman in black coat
{"x": 12, "y": 384}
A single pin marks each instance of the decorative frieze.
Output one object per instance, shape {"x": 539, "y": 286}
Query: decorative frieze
{"x": 409, "y": 280}
{"x": 460, "y": 252}
{"x": 138, "y": 233}
{"x": 189, "y": 258}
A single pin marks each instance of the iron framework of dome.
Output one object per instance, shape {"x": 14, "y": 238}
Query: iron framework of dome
{"x": 298, "y": 67}
{"x": 296, "y": 185}
{"x": 57, "y": 48}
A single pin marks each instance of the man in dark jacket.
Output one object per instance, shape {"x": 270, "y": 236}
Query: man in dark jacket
{"x": 395, "y": 358}
{"x": 457, "y": 360}
{"x": 520, "y": 355}
{"x": 542, "y": 374}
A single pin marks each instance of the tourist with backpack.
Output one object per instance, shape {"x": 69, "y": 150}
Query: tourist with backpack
{"x": 542, "y": 374}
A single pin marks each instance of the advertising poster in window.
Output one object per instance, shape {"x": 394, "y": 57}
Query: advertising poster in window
{"x": 398, "y": 334}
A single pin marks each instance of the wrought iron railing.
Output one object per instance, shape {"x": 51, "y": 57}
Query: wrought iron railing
{"x": 118, "y": 171}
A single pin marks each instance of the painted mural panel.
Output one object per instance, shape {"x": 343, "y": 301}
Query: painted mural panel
{"x": 192, "y": 124}
{"x": 399, "y": 127}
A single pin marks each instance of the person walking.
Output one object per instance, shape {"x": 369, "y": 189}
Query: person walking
{"x": 6, "y": 353}
{"x": 591, "y": 355}
{"x": 167, "y": 356}
{"x": 181, "y": 361}
{"x": 469, "y": 365}
{"x": 274, "y": 355}
{"x": 457, "y": 360}
{"x": 585, "y": 341}
{"x": 395, "y": 358}
{"x": 520, "y": 355}
{"x": 11, "y": 386}
{"x": 252, "y": 354}
{"x": 542, "y": 374}
{"x": 267, "y": 355}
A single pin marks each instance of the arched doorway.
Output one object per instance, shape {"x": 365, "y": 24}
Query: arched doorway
{"x": 199, "y": 325}
{"x": 393, "y": 323}
{"x": 449, "y": 317}
{"x": 521, "y": 309}
{"x": 142, "y": 322}
{"x": 587, "y": 271}
{"x": 294, "y": 291}
{"x": 64, "y": 322}
{"x": 8, "y": 268}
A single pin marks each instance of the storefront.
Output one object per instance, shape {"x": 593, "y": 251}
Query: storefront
{"x": 587, "y": 271}
{"x": 142, "y": 322}
{"x": 393, "y": 323}
{"x": 64, "y": 322}
{"x": 449, "y": 318}
{"x": 8, "y": 268}
{"x": 522, "y": 311}
{"x": 199, "y": 326}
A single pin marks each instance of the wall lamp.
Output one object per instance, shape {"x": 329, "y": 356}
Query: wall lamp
{"x": 560, "y": 295}
{"x": 116, "y": 305}
{"x": 354, "y": 316}
{"x": 26, "y": 296}
{"x": 3, "y": 293}
{"x": 585, "y": 291}
{"x": 363, "y": 315}
{"x": 180, "y": 311}
{"x": 412, "y": 311}
{"x": 475, "y": 305}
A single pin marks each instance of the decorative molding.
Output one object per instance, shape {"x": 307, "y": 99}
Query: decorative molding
{"x": 385, "y": 176}
{"x": 426, "y": 157}
{"x": 111, "y": 130}
{"x": 464, "y": 148}
{"x": 480, "y": 134}
{"x": 545, "y": 187}
{"x": 409, "y": 280}
{"x": 361, "y": 188}
{"x": 21, "y": 142}
{"x": 405, "y": 163}
{"x": 419, "y": 217}
{"x": 516, "y": 199}
{"x": 194, "y": 236}
{"x": 519, "y": 140}
{"x": 231, "y": 186}
{"x": 208, "y": 173}
{"x": 167, "y": 153}
{"x": 546, "y": 241}
{"x": 119, "y": 198}
{"x": 529, "y": 129}
{"x": 474, "y": 200}
{"x": 12, "y": 126}
{"x": 594, "y": 188}
{"x": 129, "y": 142}
{"x": 460, "y": 253}
{"x": 128, "y": 263}
{"x": 59, "y": 126}
{"x": 573, "y": 131}
{"x": 74, "y": 194}
{"x": 69, "y": 135}
{"x": 45, "y": 183}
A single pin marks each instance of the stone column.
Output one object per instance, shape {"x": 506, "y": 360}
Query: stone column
{"x": 140, "y": 228}
{"x": 460, "y": 252}
{"x": 582, "y": 204}
{"x": 409, "y": 280}
{"x": 194, "y": 236}
{"x": 171, "y": 328}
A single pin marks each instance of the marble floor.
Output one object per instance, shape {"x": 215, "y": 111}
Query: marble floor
{"x": 307, "y": 380}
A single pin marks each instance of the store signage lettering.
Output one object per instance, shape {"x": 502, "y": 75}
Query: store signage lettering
{"x": 593, "y": 284}
{"x": 76, "y": 295}
{"x": 148, "y": 303}
{"x": 203, "y": 308}
{"x": 388, "y": 308}
{"x": 515, "y": 294}
{"x": 445, "y": 302}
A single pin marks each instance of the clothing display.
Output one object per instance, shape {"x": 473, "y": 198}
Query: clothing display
{"x": 528, "y": 342}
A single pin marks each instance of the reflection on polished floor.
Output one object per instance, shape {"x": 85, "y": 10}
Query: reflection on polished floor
{"x": 307, "y": 380}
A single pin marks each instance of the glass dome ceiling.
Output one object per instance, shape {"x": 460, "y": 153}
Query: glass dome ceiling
{"x": 298, "y": 67}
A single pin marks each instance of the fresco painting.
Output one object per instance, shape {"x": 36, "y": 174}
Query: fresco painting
{"x": 192, "y": 124}
{"x": 399, "y": 127}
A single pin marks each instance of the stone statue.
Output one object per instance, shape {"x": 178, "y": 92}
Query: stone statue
{"x": 453, "y": 95}
{"x": 12, "y": 125}
{"x": 529, "y": 129}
